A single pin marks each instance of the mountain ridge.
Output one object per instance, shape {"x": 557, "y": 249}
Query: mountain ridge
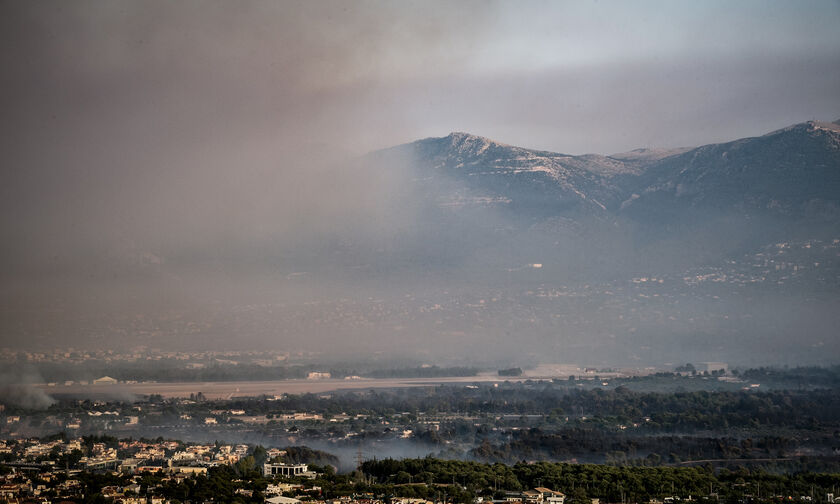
{"x": 779, "y": 172}
{"x": 783, "y": 171}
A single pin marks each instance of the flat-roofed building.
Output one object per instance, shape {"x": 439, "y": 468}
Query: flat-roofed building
{"x": 285, "y": 469}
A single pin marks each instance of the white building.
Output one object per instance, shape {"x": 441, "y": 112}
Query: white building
{"x": 285, "y": 469}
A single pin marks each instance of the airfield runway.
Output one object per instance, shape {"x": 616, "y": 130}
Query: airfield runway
{"x": 226, "y": 390}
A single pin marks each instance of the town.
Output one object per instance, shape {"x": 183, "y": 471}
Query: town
{"x": 783, "y": 418}
{"x": 131, "y": 471}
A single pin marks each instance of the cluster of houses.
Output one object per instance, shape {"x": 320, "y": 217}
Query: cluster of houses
{"x": 46, "y": 471}
{"x": 535, "y": 496}
{"x": 35, "y": 468}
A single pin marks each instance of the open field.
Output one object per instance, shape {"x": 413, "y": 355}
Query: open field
{"x": 226, "y": 390}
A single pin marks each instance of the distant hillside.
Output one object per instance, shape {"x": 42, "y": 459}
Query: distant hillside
{"x": 794, "y": 172}
{"x": 789, "y": 170}
{"x": 686, "y": 206}
{"x": 539, "y": 182}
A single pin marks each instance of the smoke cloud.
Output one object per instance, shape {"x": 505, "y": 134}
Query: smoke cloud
{"x": 193, "y": 174}
{"x": 19, "y": 390}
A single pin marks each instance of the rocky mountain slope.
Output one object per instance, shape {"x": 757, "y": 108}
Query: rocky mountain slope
{"x": 795, "y": 170}
{"x": 661, "y": 206}
{"x": 541, "y": 182}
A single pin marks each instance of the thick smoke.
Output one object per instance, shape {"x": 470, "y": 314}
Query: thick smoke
{"x": 188, "y": 175}
{"x": 19, "y": 390}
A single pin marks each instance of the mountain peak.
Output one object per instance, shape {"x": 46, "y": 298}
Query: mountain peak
{"x": 809, "y": 126}
{"x": 463, "y": 135}
{"x": 464, "y": 143}
{"x": 831, "y": 126}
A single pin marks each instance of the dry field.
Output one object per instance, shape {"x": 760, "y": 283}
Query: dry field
{"x": 226, "y": 390}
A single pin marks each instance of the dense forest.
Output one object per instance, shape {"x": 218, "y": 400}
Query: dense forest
{"x": 608, "y": 483}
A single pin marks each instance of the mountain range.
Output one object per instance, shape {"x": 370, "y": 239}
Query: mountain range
{"x": 693, "y": 204}
{"x": 792, "y": 171}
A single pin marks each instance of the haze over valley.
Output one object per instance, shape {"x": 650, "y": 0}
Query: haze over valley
{"x": 473, "y": 249}
{"x": 420, "y": 252}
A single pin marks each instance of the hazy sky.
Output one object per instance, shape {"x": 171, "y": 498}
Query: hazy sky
{"x": 186, "y": 79}
{"x": 142, "y": 124}
{"x": 126, "y": 111}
